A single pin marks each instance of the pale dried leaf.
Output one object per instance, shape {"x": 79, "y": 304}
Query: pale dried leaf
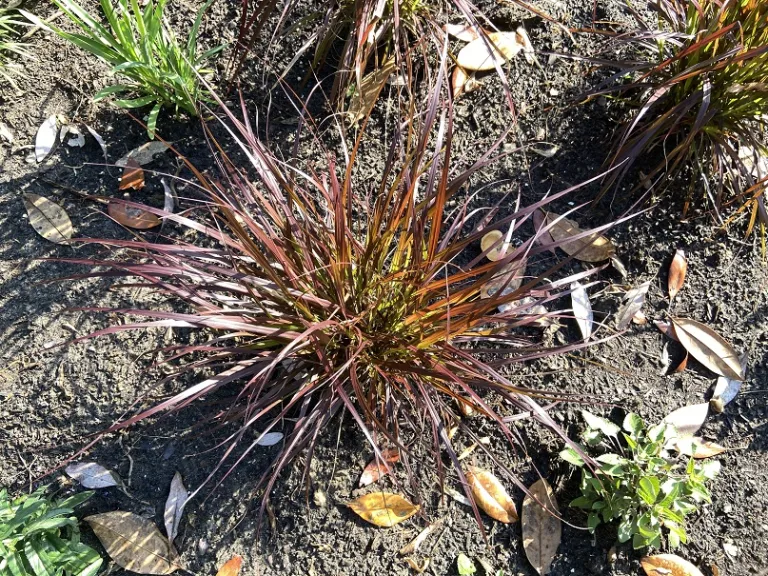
{"x": 365, "y": 96}
{"x": 133, "y": 542}
{"x": 592, "y": 248}
{"x": 525, "y": 41}
{"x": 582, "y": 309}
{"x": 270, "y": 439}
{"x": 668, "y": 565}
{"x": 383, "y": 508}
{"x": 5, "y": 133}
{"x": 144, "y": 154}
{"x": 677, "y": 271}
{"x": 541, "y": 526}
{"x": 633, "y": 303}
{"x": 169, "y": 204}
{"x": 458, "y": 81}
{"x": 174, "y": 506}
{"x": 510, "y": 278}
{"x": 726, "y": 389}
{"x": 709, "y": 348}
{"x": 484, "y": 53}
{"x": 48, "y": 219}
{"x": 418, "y": 567}
{"x": 376, "y": 468}
{"x": 688, "y": 419}
{"x": 92, "y": 475}
{"x": 414, "y": 544}
{"x": 491, "y": 496}
{"x": 698, "y": 447}
{"x": 45, "y": 138}
{"x": 100, "y": 140}
{"x": 463, "y": 32}
{"x": 493, "y": 238}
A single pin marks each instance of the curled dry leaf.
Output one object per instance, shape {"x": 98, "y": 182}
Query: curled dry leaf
{"x": 582, "y": 309}
{"x": 491, "y": 496}
{"x": 726, "y": 389}
{"x": 681, "y": 367}
{"x": 376, "y": 469}
{"x": 416, "y": 543}
{"x": 92, "y": 475}
{"x": 708, "y": 347}
{"x": 383, "y": 508}
{"x": 45, "y": 138}
{"x": 458, "y": 81}
{"x": 133, "y": 176}
{"x": 144, "y": 154}
{"x": 133, "y": 542}
{"x": 231, "y": 567}
{"x": 509, "y": 279}
{"x": 463, "y": 32}
{"x": 698, "y": 447}
{"x": 48, "y": 219}
{"x": 174, "y": 506}
{"x": 667, "y": 329}
{"x": 668, "y": 565}
{"x": 525, "y": 42}
{"x": 593, "y": 248}
{"x": 634, "y": 300}
{"x": 484, "y": 53}
{"x": 365, "y": 97}
{"x": 493, "y": 238}
{"x": 640, "y": 319}
{"x": 542, "y": 527}
{"x": 132, "y": 217}
{"x": 688, "y": 419}
{"x": 100, "y": 140}
{"x": 418, "y": 567}
{"x": 677, "y": 271}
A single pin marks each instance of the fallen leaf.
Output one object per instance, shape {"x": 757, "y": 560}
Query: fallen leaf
{"x": 667, "y": 329}
{"x": 681, "y": 367}
{"x": 100, "y": 140}
{"x": 418, "y": 567}
{"x": 77, "y": 139}
{"x": 640, "y": 319}
{"x": 593, "y": 248}
{"x": 457, "y": 496}
{"x": 270, "y": 439}
{"x": 726, "y": 389}
{"x": 494, "y": 254}
{"x": 92, "y": 475}
{"x": 144, "y": 154}
{"x": 174, "y": 506}
{"x": 618, "y": 265}
{"x": 688, "y": 419}
{"x": 543, "y": 237}
{"x": 510, "y": 278}
{"x": 133, "y": 176}
{"x": 677, "y": 272}
{"x": 463, "y": 32}
{"x": 365, "y": 96}
{"x": 458, "y": 81}
{"x": 541, "y": 526}
{"x": 709, "y": 348}
{"x": 383, "y": 508}
{"x": 665, "y": 362}
{"x": 133, "y": 542}
{"x": 48, "y": 219}
{"x": 698, "y": 447}
{"x": 668, "y": 565}
{"x": 484, "y": 53}
{"x": 376, "y": 469}
{"x": 416, "y": 543}
{"x": 132, "y": 217}
{"x": 525, "y": 41}
{"x": 5, "y": 133}
{"x": 634, "y": 300}
{"x": 231, "y": 567}
{"x": 491, "y": 496}
{"x": 170, "y": 199}
{"x": 45, "y": 138}
{"x": 582, "y": 309}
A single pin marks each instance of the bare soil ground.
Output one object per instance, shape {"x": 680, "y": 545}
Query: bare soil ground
{"x": 52, "y": 397}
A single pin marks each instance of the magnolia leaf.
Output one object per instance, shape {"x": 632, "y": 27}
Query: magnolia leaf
{"x": 484, "y": 53}
{"x": 270, "y": 439}
{"x": 698, "y": 447}
{"x": 133, "y": 542}
{"x": 542, "y": 527}
{"x": 726, "y": 389}
{"x": 594, "y": 248}
{"x": 365, "y": 96}
{"x": 376, "y": 468}
{"x": 92, "y": 475}
{"x": 491, "y": 496}
{"x": 48, "y": 219}
{"x": 132, "y": 217}
{"x": 597, "y": 423}
{"x": 174, "y": 506}
{"x": 668, "y": 565}
{"x": 510, "y": 278}
{"x": 582, "y": 309}
{"x": 709, "y": 348}
{"x": 383, "y": 508}
{"x": 688, "y": 419}
{"x": 677, "y": 271}
{"x": 144, "y": 154}
{"x": 634, "y": 300}
{"x": 231, "y": 567}
{"x": 45, "y": 138}
{"x": 493, "y": 238}
{"x": 463, "y": 32}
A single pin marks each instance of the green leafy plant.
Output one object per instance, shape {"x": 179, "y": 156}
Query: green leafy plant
{"x": 700, "y": 95}
{"x": 643, "y": 486}
{"x": 153, "y": 67}
{"x": 39, "y": 536}
{"x": 10, "y": 47}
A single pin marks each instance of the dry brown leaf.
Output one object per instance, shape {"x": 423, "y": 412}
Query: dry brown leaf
{"x": 133, "y": 542}
{"x": 383, "y": 508}
{"x": 365, "y": 97}
{"x": 542, "y": 527}
{"x": 539, "y": 223}
{"x": 376, "y": 469}
{"x": 634, "y": 300}
{"x": 594, "y": 248}
{"x": 688, "y": 419}
{"x": 144, "y": 154}
{"x": 458, "y": 80}
{"x": 231, "y": 567}
{"x": 463, "y": 32}
{"x": 489, "y": 240}
{"x": 510, "y": 278}
{"x": 677, "y": 271}
{"x": 132, "y": 217}
{"x": 174, "y": 506}
{"x": 416, "y": 543}
{"x": 698, "y": 447}
{"x": 668, "y": 565}
{"x": 491, "y": 496}
{"x": 483, "y": 53}
{"x": 418, "y": 567}
{"x": 709, "y": 348}
{"x": 667, "y": 329}
{"x": 133, "y": 176}
{"x": 681, "y": 367}
{"x": 48, "y": 219}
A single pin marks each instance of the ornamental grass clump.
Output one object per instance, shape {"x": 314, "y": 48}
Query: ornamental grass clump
{"x": 700, "y": 94}
{"x": 11, "y": 47}
{"x": 326, "y": 294}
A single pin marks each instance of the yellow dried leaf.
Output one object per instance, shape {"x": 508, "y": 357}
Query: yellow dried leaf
{"x": 231, "y": 567}
{"x": 484, "y": 53}
{"x": 383, "y": 508}
{"x": 489, "y": 240}
{"x": 48, "y": 218}
{"x": 491, "y": 496}
{"x": 668, "y": 565}
{"x": 542, "y": 527}
{"x": 365, "y": 97}
{"x": 594, "y": 248}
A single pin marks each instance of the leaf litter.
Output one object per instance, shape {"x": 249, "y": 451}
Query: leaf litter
{"x": 582, "y": 309}
{"x": 383, "y": 509}
{"x": 48, "y": 219}
{"x": 45, "y": 139}
{"x": 92, "y": 475}
{"x": 378, "y": 468}
{"x": 708, "y": 347}
{"x": 490, "y": 495}
{"x": 677, "y": 271}
{"x": 174, "y": 506}
{"x": 668, "y": 565}
{"x": 541, "y": 525}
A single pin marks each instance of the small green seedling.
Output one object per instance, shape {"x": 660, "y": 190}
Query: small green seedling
{"x": 465, "y": 565}
{"x": 644, "y": 487}
{"x": 40, "y": 536}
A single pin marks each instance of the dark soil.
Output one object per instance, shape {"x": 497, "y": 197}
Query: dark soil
{"x": 52, "y": 398}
